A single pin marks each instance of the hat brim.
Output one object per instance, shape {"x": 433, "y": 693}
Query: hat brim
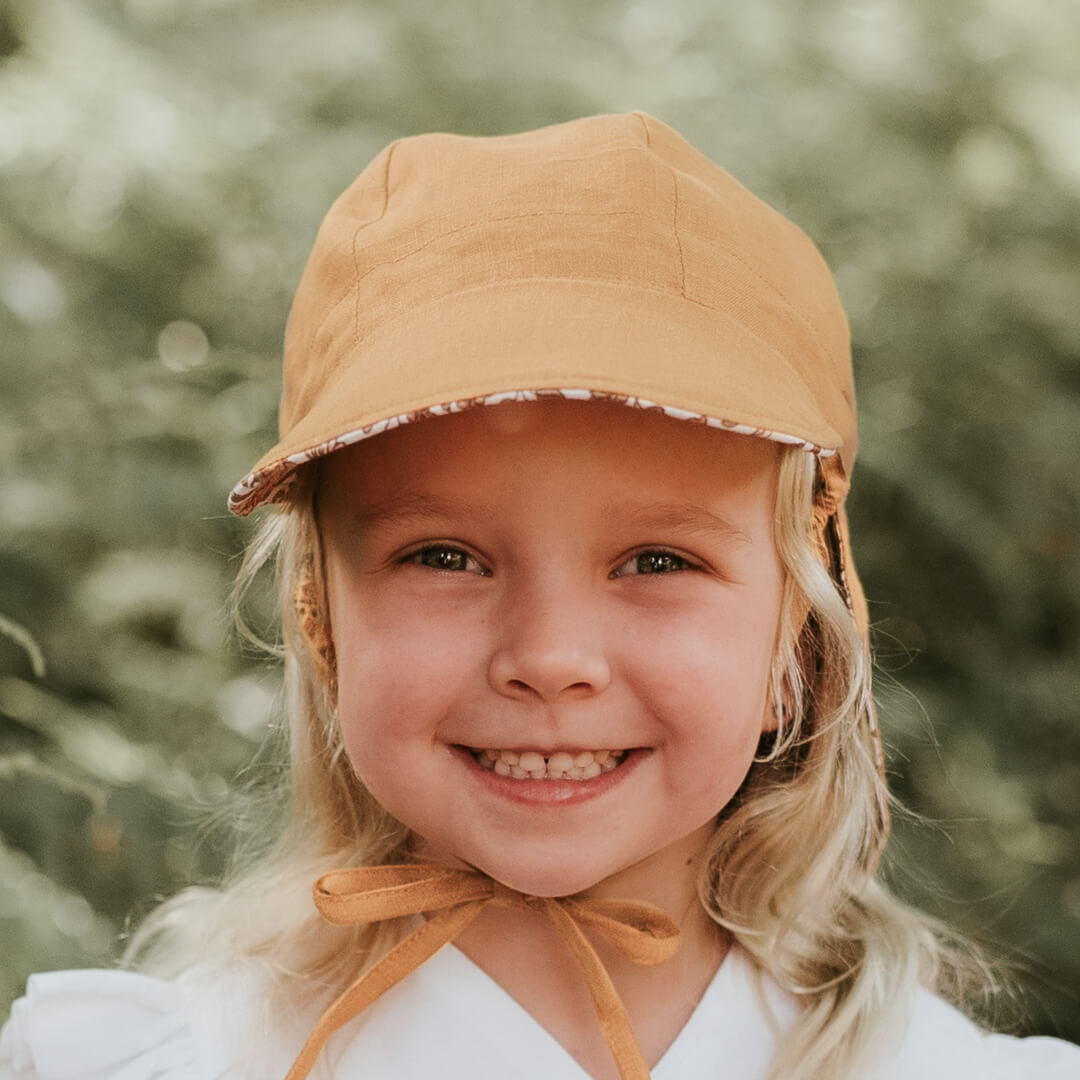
{"x": 521, "y": 338}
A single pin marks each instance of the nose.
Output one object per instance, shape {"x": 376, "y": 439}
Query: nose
{"x": 549, "y": 650}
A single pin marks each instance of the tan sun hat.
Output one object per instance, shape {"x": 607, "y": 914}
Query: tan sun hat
{"x": 605, "y": 256}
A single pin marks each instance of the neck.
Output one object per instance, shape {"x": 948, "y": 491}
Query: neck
{"x": 521, "y": 951}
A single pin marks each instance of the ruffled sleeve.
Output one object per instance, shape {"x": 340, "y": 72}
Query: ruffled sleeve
{"x": 1035, "y": 1058}
{"x": 99, "y": 1025}
{"x": 943, "y": 1044}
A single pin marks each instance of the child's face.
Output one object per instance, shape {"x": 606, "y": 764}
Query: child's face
{"x": 553, "y": 577}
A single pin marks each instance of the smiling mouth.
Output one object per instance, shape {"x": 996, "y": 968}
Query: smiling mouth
{"x": 562, "y": 765}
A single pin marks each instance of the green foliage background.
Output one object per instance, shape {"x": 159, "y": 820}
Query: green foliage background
{"x": 163, "y": 167}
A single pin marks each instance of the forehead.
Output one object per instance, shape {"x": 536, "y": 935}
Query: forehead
{"x": 600, "y": 446}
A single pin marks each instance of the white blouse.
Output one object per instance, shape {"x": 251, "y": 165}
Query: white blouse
{"x": 449, "y": 1020}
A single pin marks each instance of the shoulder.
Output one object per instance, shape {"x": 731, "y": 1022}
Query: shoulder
{"x": 929, "y": 1040}
{"x": 940, "y": 1042}
{"x": 108, "y": 1025}
{"x": 76, "y": 1024}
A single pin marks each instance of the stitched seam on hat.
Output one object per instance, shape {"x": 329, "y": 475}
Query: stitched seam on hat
{"x": 674, "y": 209}
{"x": 357, "y": 276}
{"x": 354, "y": 288}
{"x": 675, "y": 229}
{"x": 640, "y": 116}
{"x": 390, "y": 150}
{"x": 813, "y": 329}
{"x": 808, "y": 323}
{"x": 345, "y": 296}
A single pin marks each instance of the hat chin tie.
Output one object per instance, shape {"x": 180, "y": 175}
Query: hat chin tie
{"x": 453, "y": 898}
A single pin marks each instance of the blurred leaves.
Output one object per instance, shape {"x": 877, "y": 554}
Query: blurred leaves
{"x": 163, "y": 168}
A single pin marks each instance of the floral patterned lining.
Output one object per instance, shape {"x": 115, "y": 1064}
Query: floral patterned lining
{"x": 272, "y": 483}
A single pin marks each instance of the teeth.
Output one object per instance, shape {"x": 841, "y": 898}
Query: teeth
{"x": 562, "y": 765}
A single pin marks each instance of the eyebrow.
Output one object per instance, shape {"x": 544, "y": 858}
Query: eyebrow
{"x": 406, "y": 506}
{"x": 684, "y": 516}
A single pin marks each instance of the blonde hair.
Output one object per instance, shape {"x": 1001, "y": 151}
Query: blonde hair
{"x": 790, "y": 869}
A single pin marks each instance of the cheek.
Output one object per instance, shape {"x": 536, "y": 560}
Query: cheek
{"x": 711, "y": 741}
{"x": 398, "y": 675}
{"x": 376, "y": 640}
{"x": 719, "y": 663}
{"x": 708, "y": 688}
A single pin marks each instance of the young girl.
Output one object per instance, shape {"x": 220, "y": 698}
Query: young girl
{"x": 583, "y": 760}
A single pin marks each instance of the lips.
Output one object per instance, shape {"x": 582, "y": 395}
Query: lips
{"x": 560, "y": 765}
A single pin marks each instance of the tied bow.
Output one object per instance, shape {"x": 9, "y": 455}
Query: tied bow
{"x": 641, "y": 932}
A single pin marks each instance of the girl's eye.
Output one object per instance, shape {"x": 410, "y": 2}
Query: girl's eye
{"x": 446, "y": 558}
{"x": 653, "y": 562}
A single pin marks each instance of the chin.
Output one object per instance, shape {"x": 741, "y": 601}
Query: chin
{"x": 540, "y": 880}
